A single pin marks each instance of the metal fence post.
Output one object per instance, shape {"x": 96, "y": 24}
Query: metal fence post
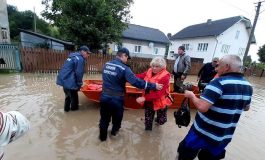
{"x": 17, "y": 57}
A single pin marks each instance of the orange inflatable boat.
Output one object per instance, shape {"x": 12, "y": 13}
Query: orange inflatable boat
{"x": 93, "y": 88}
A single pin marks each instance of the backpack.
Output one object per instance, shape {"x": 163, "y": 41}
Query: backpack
{"x": 182, "y": 115}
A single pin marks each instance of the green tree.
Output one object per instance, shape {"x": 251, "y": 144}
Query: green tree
{"x": 261, "y": 54}
{"x": 248, "y": 61}
{"x": 24, "y": 20}
{"x": 92, "y": 22}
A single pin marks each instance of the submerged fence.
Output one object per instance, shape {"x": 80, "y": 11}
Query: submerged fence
{"x": 42, "y": 60}
{"x": 46, "y": 60}
{"x": 10, "y": 57}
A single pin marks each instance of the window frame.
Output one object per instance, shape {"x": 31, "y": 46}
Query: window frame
{"x": 137, "y": 49}
{"x": 202, "y": 47}
{"x": 237, "y": 34}
{"x": 187, "y": 46}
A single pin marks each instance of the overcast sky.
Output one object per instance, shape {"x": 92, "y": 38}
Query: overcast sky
{"x": 170, "y": 16}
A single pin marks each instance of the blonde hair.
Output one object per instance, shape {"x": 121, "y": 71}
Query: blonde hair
{"x": 158, "y": 61}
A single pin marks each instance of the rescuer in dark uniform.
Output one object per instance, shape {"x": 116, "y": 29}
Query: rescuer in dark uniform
{"x": 115, "y": 74}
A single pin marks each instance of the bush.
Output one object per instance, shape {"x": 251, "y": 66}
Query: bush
{"x": 260, "y": 65}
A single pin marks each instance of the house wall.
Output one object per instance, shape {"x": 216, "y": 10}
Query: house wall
{"x": 57, "y": 46}
{"x": 215, "y": 44}
{"x": 146, "y": 50}
{"x": 193, "y": 45}
{"x": 228, "y": 38}
{"x": 28, "y": 40}
{"x": 4, "y": 24}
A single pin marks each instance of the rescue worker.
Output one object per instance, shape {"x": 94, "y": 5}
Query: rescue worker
{"x": 115, "y": 75}
{"x": 70, "y": 77}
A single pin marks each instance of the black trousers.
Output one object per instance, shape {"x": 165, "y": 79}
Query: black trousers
{"x": 149, "y": 117}
{"x": 111, "y": 108}
{"x": 71, "y": 99}
{"x": 178, "y": 83}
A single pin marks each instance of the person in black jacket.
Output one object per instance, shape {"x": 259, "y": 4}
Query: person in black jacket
{"x": 206, "y": 73}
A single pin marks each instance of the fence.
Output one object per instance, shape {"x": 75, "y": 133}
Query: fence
{"x": 42, "y": 60}
{"x": 255, "y": 71}
{"x": 45, "y": 60}
{"x": 10, "y": 55}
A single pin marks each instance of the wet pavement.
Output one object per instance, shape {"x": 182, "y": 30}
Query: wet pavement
{"x": 56, "y": 135}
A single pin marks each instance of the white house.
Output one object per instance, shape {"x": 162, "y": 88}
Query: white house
{"x": 213, "y": 38}
{"x": 143, "y": 41}
{"x": 4, "y": 24}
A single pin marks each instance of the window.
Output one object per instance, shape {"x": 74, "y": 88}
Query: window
{"x": 225, "y": 48}
{"x": 241, "y": 51}
{"x": 237, "y": 34}
{"x": 187, "y": 46}
{"x": 137, "y": 49}
{"x": 4, "y": 33}
{"x": 116, "y": 47}
{"x": 155, "y": 50}
{"x": 205, "y": 47}
{"x": 202, "y": 47}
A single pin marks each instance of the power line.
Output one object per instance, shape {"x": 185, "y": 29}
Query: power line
{"x": 234, "y": 6}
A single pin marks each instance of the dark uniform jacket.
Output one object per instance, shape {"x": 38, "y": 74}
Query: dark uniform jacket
{"x": 116, "y": 74}
{"x": 71, "y": 74}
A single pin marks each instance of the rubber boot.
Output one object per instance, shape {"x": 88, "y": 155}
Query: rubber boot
{"x": 103, "y": 135}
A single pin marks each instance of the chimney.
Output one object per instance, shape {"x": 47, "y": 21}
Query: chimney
{"x": 169, "y": 35}
{"x": 209, "y": 21}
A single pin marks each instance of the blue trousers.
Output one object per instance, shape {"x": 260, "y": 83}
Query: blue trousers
{"x": 111, "y": 108}
{"x": 194, "y": 145}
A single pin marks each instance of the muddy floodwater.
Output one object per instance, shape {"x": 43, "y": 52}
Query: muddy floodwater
{"x": 56, "y": 135}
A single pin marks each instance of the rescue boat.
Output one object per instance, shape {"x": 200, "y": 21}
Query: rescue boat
{"x": 92, "y": 90}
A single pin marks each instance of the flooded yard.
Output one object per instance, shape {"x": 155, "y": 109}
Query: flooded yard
{"x": 56, "y": 135}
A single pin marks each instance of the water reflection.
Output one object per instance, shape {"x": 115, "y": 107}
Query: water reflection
{"x": 56, "y": 135}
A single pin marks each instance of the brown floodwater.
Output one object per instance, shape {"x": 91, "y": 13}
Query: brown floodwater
{"x": 56, "y": 135}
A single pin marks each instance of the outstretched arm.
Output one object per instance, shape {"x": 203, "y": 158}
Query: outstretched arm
{"x": 79, "y": 72}
{"x": 139, "y": 83}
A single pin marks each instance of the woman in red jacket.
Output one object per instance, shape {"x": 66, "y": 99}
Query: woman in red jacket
{"x": 155, "y": 101}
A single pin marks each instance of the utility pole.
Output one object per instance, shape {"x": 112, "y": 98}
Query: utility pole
{"x": 34, "y": 20}
{"x": 252, "y": 31}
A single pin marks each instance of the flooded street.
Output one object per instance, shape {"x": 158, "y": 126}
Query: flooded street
{"x": 56, "y": 135}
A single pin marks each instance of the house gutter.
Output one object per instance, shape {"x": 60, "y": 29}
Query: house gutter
{"x": 215, "y": 46}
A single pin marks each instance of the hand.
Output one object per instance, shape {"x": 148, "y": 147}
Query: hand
{"x": 159, "y": 86}
{"x": 182, "y": 77}
{"x": 198, "y": 78}
{"x": 188, "y": 94}
{"x": 140, "y": 100}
